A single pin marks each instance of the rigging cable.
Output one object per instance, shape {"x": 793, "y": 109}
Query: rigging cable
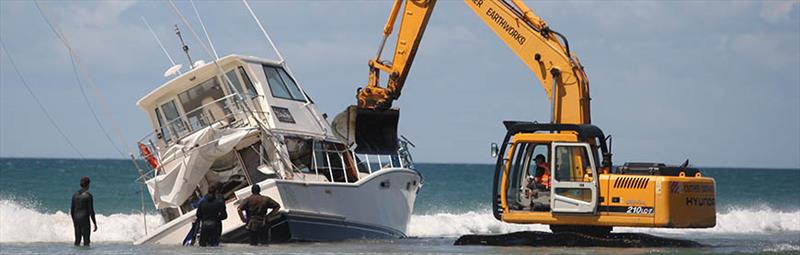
{"x": 39, "y": 102}
{"x": 91, "y": 109}
{"x": 92, "y": 84}
{"x": 204, "y": 29}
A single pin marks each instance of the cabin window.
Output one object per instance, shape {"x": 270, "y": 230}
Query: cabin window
{"x": 248, "y": 84}
{"x": 281, "y": 85}
{"x": 248, "y": 90}
{"x": 174, "y": 122}
{"x": 522, "y": 189}
{"x": 235, "y": 86}
{"x": 203, "y": 105}
{"x": 161, "y": 128}
{"x": 572, "y": 164}
{"x": 253, "y": 157}
{"x": 300, "y": 153}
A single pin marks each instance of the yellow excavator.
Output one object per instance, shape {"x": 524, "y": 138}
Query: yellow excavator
{"x": 558, "y": 173}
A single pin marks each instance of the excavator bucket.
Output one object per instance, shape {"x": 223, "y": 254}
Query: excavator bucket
{"x": 373, "y": 132}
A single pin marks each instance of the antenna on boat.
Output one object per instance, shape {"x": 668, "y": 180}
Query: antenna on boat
{"x": 174, "y": 68}
{"x": 210, "y": 44}
{"x": 185, "y": 47}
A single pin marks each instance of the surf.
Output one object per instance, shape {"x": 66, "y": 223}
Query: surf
{"x": 24, "y": 222}
{"x": 735, "y": 220}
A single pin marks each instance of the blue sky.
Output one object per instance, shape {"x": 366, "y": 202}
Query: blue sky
{"x": 717, "y": 82}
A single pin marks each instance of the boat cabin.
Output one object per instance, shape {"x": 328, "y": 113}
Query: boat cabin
{"x": 201, "y": 97}
{"x": 254, "y": 109}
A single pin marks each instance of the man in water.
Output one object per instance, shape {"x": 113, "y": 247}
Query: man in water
{"x": 210, "y": 213}
{"x": 82, "y": 210}
{"x": 256, "y": 207}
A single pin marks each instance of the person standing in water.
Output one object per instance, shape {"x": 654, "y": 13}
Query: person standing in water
{"x": 210, "y": 213}
{"x": 82, "y": 210}
{"x": 256, "y": 218}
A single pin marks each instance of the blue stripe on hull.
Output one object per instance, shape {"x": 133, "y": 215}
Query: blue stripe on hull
{"x": 304, "y": 228}
{"x": 298, "y": 228}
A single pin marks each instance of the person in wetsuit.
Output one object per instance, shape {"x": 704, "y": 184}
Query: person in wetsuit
{"x": 256, "y": 218}
{"x": 81, "y": 210}
{"x": 210, "y": 213}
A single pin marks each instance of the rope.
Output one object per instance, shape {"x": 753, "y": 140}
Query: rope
{"x": 98, "y": 95}
{"x": 39, "y": 102}
{"x": 89, "y": 105}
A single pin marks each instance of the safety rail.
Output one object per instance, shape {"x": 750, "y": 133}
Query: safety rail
{"x": 328, "y": 160}
{"x": 402, "y": 159}
{"x": 229, "y": 108}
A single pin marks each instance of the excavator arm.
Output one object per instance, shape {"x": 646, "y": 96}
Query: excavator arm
{"x": 545, "y": 52}
{"x": 414, "y": 20}
{"x": 372, "y": 123}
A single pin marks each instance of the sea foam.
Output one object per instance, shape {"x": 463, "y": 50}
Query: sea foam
{"x": 755, "y": 220}
{"x": 23, "y": 223}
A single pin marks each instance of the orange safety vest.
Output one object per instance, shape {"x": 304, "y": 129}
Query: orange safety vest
{"x": 545, "y": 179}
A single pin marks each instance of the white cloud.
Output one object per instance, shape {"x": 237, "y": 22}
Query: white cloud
{"x": 776, "y": 11}
{"x": 102, "y": 14}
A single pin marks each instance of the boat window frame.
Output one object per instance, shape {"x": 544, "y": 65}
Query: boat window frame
{"x": 283, "y": 85}
{"x": 165, "y": 136}
{"x": 249, "y": 86}
{"x": 181, "y": 115}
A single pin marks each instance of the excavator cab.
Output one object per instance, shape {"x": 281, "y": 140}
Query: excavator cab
{"x": 572, "y": 165}
{"x": 372, "y": 131}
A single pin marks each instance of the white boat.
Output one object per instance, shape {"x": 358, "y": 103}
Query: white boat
{"x": 244, "y": 121}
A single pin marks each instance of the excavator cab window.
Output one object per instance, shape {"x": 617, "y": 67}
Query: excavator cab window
{"x": 574, "y": 186}
{"x": 524, "y": 192}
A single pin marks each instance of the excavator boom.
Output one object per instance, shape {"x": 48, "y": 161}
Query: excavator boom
{"x": 586, "y": 193}
{"x": 545, "y": 52}
{"x": 372, "y": 123}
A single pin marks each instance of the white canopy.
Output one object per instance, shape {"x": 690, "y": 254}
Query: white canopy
{"x": 187, "y": 162}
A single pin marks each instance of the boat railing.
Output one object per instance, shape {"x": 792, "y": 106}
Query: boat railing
{"x": 329, "y": 160}
{"x": 225, "y": 111}
{"x": 374, "y": 162}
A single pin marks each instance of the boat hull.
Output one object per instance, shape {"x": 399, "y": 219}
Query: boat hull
{"x": 377, "y": 206}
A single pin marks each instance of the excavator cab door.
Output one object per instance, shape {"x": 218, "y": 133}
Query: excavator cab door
{"x": 574, "y": 187}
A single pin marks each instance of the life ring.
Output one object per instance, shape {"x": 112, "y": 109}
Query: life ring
{"x": 148, "y": 156}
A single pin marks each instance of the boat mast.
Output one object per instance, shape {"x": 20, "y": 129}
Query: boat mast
{"x": 185, "y": 47}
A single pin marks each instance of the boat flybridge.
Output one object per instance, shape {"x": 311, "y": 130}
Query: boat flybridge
{"x": 244, "y": 121}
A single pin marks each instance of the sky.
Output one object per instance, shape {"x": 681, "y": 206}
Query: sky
{"x": 715, "y": 82}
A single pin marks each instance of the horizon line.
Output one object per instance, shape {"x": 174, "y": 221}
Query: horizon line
{"x": 440, "y": 163}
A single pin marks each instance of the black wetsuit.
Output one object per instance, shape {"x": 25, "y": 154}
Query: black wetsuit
{"x": 82, "y": 210}
{"x": 256, "y": 206}
{"x": 210, "y": 213}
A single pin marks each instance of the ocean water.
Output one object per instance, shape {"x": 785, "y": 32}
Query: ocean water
{"x": 758, "y": 212}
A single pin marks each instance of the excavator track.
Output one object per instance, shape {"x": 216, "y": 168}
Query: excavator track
{"x": 575, "y": 239}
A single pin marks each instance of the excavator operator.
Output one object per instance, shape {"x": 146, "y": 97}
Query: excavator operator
{"x": 539, "y": 185}
{"x": 542, "y": 176}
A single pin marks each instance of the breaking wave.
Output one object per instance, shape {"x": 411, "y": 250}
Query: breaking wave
{"x": 21, "y": 223}
{"x": 734, "y": 221}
